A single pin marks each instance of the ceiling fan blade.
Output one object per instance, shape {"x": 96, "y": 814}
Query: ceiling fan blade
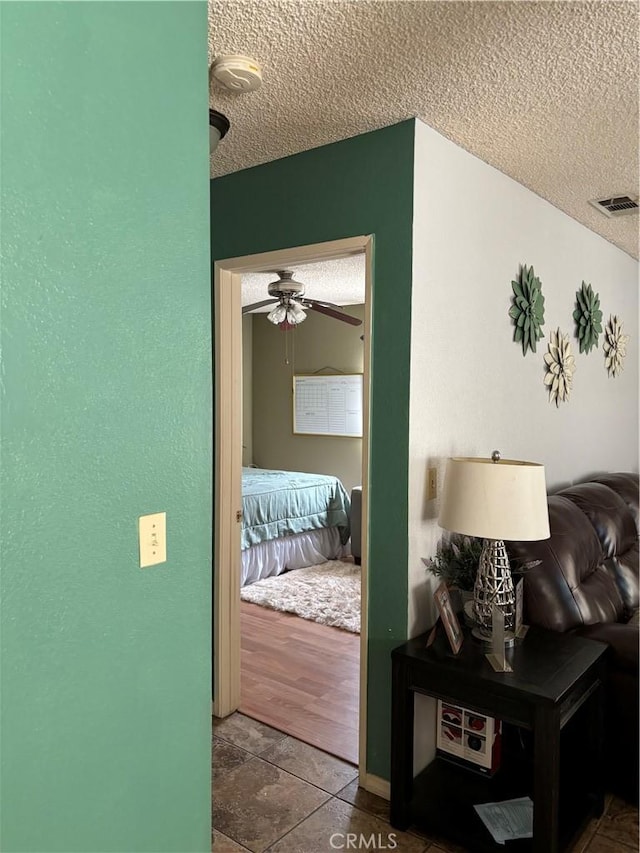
{"x": 333, "y": 312}
{"x": 308, "y": 302}
{"x": 247, "y": 308}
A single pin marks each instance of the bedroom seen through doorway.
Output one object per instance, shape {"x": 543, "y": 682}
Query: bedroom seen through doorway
{"x": 302, "y": 462}
{"x": 302, "y": 438}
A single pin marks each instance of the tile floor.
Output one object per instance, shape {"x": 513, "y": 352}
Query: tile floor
{"x": 274, "y": 793}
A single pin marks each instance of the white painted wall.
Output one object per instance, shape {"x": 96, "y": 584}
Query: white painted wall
{"x": 472, "y": 391}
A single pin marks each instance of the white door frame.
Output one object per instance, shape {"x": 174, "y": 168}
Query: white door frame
{"x": 228, "y": 461}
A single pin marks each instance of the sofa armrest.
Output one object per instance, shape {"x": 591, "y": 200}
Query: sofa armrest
{"x": 622, "y": 640}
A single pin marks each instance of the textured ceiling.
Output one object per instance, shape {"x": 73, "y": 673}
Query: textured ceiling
{"x": 547, "y": 92}
{"x": 341, "y": 282}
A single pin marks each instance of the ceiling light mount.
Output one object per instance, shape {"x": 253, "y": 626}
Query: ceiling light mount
{"x": 236, "y": 72}
{"x": 218, "y": 128}
{"x": 285, "y": 286}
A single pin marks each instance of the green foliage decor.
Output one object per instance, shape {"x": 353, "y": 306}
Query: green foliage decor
{"x": 527, "y": 310}
{"x": 588, "y": 317}
{"x": 456, "y": 561}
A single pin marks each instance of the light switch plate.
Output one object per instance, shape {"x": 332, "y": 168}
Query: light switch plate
{"x": 152, "y": 535}
{"x": 432, "y": 487}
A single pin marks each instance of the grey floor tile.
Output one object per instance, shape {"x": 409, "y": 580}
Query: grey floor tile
{"x": 438, "y": 844}
{"x": 258, "y": 803}
{"x": 364, "y": 800}
{"x": 601, "y": 844}
{"x": 225, "y": 757}
{"x": 327, "y": 828}
{"x": 581, "y": 845}
{"x": 308, "y": 763}
{"x": 246, "y": 733}
{"x": 222, "y": 844}
{"x": 620, "y": 823}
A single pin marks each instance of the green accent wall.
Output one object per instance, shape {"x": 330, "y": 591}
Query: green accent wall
{"x": 106, "y": 415}
{"x": 362, "y": 185}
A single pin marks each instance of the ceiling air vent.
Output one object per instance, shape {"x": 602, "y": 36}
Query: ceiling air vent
{"x": 617, "y": 205}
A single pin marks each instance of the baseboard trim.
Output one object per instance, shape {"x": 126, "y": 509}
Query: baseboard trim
{"x": 375, "y": 785}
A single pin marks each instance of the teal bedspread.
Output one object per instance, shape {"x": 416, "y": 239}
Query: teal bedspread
{"x": 280, "y": 503}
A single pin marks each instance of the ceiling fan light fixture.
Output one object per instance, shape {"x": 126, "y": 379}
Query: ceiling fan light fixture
{"x": 292, "y": 305}
{"x": 278, "y": 314}
{"x": 295, "y": 314}
{"x": 287, "y": 315}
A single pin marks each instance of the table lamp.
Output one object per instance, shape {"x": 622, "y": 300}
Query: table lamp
{"x": 496, "y": 500}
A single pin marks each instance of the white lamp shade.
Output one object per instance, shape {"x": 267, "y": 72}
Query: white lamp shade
{"x": 495, "y": 500}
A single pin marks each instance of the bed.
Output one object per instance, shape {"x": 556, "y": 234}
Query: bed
{"x": 291, "y": 519}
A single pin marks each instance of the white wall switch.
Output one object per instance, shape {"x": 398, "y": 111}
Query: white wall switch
{"x": 152, "y": 533}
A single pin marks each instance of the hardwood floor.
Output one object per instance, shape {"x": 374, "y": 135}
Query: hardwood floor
{"x": 301, "y": 678}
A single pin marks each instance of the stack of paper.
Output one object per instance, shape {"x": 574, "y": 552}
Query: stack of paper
{"x": 508, "y": 820}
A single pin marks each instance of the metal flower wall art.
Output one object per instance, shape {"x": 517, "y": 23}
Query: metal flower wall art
{"x": 614, "y": 346}
{"x": 527, "y": 310}
{"x": 561, "y": 366}
{"x": 588, "y": 317}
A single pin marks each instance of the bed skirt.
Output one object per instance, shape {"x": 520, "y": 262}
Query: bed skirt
{"x": 291, "y": 552}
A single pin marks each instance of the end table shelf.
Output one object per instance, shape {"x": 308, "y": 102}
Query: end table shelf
{"x": 555, "y": 679}
{"x": 444, "y": 796}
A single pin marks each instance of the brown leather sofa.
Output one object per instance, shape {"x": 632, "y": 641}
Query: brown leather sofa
{"x": 587, "y": 582}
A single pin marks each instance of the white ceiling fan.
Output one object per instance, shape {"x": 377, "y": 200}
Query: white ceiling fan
{"x": 290, "y": 304}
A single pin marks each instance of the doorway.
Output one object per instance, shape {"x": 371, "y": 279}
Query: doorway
{"x": 228, "y": 460}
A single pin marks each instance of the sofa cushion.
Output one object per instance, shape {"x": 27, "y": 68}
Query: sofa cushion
{"x": 570, "y": 587}
{"x": 626, "y": 486}
{"x": 625, "y": 570}
{"x": 615, "y": 527}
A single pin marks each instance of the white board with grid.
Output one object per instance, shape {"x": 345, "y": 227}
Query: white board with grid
{"x": 328, "y": 405}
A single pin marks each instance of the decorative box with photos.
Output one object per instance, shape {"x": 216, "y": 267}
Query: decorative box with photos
{"x": 468, "y": 738}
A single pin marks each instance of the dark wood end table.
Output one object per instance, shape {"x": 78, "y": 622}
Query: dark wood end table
{"x": 554, "y": 697}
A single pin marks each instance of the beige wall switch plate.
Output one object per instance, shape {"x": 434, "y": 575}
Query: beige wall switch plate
{"x": 432, "y": 484}
{"x": 152, "y": 533}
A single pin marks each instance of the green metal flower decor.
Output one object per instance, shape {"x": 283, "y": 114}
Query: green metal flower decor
{"x": 527, "y": 310}
{"x": 588, "y": 317}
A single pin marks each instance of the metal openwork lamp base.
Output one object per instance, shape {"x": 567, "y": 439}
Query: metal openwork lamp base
{"x": 493, "y": 587}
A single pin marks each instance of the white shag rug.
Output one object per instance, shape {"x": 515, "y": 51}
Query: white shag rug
{"x": 328, "y": 593}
